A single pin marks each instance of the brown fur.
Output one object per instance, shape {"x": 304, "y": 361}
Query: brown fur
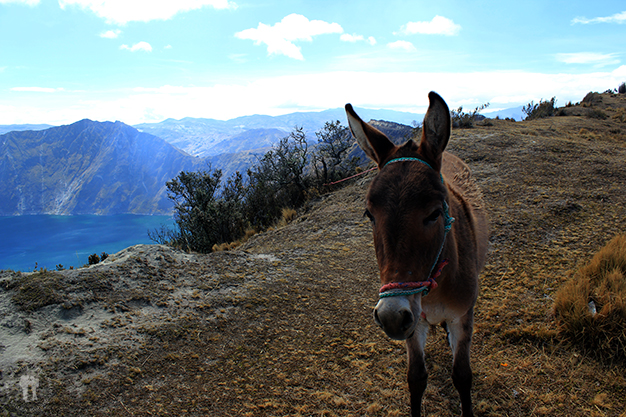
{"x": 406, "y": 202}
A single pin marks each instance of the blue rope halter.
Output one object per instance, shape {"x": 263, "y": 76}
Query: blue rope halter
{"x": 426, "y": 285}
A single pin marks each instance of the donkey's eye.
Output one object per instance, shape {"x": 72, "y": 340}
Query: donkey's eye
{"x": 369, "y": 215}
{"x": 432, "y": 217}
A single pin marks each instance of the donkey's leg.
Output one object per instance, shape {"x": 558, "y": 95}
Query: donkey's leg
{"x": 417, "y": 374}
{"x": 460, "y": 338}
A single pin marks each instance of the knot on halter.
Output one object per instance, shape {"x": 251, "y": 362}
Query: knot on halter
{"x": 410, "y": 288}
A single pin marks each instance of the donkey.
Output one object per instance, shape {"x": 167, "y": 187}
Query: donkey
{"x": 428, "y": 266}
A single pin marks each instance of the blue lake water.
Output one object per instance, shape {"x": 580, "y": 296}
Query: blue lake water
{"x": 69, "y": 240}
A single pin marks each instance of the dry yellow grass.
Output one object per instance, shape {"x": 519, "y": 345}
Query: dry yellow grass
{"x": 288, "y": 214}
{"x": 591, "y": 307}
{"x": 233, "y": 245}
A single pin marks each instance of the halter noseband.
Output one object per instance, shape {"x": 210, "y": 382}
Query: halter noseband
{"x": 410, "y": 288}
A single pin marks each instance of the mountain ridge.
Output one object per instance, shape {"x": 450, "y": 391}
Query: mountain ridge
{"x": 209, "y": 137}
{"x": 87, "y": 167}
{"x": 91, "y": 167}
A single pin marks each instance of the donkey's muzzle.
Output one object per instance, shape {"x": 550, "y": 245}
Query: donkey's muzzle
{"x": 395, "y": 317}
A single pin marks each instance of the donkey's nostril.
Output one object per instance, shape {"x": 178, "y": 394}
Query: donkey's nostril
{"x": 407, "y": 320}
{"x": 376, "y": 319}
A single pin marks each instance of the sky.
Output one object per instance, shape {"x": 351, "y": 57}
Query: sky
{"x": 142, "y": 61}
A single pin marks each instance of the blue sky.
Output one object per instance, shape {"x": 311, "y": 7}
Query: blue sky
{"x": 147, "y": 60}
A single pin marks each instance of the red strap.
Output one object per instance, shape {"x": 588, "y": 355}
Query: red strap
{"x": 431, "y": 283}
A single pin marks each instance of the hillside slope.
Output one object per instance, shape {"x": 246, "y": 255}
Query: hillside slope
{"x": 283, "y": 326}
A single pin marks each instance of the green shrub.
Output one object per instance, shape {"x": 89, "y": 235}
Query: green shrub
{"x": 590, "y": 308}
{"x": 93, "y": 259}
{"x": 204, "y": 218}
{"x": 213, "y": 216}
{"x": 622, "y": 88}
{"x": 278, "y": 180}
{"x": 540, "y": 110}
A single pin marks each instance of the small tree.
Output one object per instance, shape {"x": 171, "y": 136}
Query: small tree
{"x": 278, "y": 180}
{"x": 329, "y": 160}
{"x": 622, "y": 88}
{"x": 205, "y": 213}
{"x": 163, "y": 235}
{"x": 465, "y": 120}
{"x": 540, "y": 110}
{"x": 232, "y": 222}
{"x": 193, "y": 194}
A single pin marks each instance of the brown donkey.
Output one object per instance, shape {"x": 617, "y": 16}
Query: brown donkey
{"x": 429, "y": 276}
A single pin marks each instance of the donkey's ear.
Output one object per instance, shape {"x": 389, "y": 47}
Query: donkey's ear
{"x": 435, "y": 130}
{"x": 374, "y": 142}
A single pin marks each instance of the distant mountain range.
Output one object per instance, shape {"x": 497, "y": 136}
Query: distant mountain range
{"x": 88, "y": 168}
{"x": 513, "y": 113}
{"x": 13, "y": 128}
{"x": 209, "y": 137}
{"x": 93, "y": 167}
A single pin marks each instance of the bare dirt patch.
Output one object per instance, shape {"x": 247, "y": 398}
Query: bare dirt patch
{"x": 283, "y": 325}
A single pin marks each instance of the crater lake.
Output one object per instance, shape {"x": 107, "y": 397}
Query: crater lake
{"x": 45, "y": 241}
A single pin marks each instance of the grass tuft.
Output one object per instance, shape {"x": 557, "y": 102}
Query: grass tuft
{"x": 233, "y": 245}
{"x": 37, "y": 290}
{"x": 288, "y": 214}
{"x": 590, "y": 308}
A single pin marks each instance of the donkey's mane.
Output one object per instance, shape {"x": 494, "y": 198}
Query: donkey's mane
{"x": 460, "y": 176}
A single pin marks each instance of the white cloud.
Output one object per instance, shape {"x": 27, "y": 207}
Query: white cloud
{"x": 120, "y": 12}
{"x": 439, "y": 25}
{"x": 403, "y": 45}
{"x": 346, "y": 37}
{"x": 620, "y": 71}
{"x": 616, "y": 18}
{"x": 25, "y": 2}
{"x": 595, "y": 58}
{"x": 238, "y": 58}
{"x": 139, "y": 46}
{"x": 37, "y": 89}
{"x": 404, "y": 91}
{"x": 111, "y": 34}
{"x": 280, "y": 38}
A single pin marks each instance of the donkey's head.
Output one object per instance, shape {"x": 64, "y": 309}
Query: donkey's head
{"x": 406, "y": 204}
